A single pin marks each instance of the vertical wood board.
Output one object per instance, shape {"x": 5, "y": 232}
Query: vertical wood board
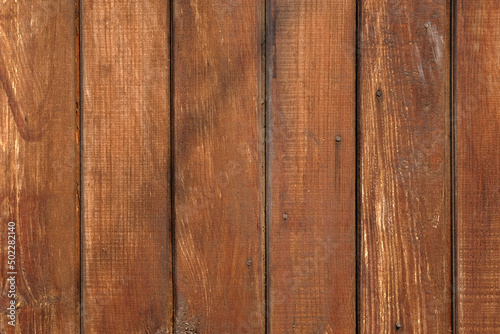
{"x": 404, "y": 156}
{"x": 311, "y": 166}
{"x": 218, "y": 167}
{"x": 477, "y": 178}
{"x": 39, "y": 182}
{"x": 126, "y": 167}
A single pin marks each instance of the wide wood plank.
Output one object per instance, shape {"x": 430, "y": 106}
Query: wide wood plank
{"x": 126, "y": 158}
{"x": 311, "y": 166}
{"x": 404, "y": 185}
{"x": 39, "y": 181}
{"x": 218, "y": 166}
{"x": 477, "y": 178}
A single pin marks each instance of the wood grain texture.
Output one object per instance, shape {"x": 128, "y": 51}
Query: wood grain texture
{"x": 218, "y": 167}
{"x": 126, "y": 159}
{"x": 404, "y": 183}
{"x": 39, "y": 159}
{"x": 477, "y": 180}
{"x": 311, "y": 166}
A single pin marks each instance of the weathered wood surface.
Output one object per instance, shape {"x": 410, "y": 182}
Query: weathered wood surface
{"x": 127, "y": 284}
{"x": 215, "y": 79}
{"x": 39, "y": 181}
{"x": 404, "y": 156}
{"x": 218, "y": 166}
{"x": 311, "y": 166}
{"x": 477, "y": 168}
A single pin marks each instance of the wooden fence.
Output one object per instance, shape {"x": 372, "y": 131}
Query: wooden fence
{"x": 250, "y": 166}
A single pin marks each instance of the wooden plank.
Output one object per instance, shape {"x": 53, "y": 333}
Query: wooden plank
{"x": 39, "y": 160}
{"x": 404, "y": 184}
{"x": 477, "y": 178}
{"x": 311, "y": 166}
{"x": 218, "y": 167}
{"x": 126, "y": 159}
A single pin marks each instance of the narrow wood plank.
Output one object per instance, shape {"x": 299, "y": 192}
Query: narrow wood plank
{"x": 404, "y": 184}
{"x": 477, "y": 87}
{"x": 218, "y": 167}
{"x": 126, "y": 159}
{"x": 40, "y": 168}
{"x": 311, "y": 166}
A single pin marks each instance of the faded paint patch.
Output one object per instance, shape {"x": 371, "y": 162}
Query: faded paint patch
{"x": 436, "y": 40}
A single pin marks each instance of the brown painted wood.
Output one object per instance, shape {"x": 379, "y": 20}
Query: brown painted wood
{"x": 404, "y": 185}
{"x": 218, "y": 73}
{"x": 126, "y": 159}
{"x": 477, "y": 179}
{"x": 311, "y": 166}
{"x": 218, "y": 167}
{"x": 39, "y": 181}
